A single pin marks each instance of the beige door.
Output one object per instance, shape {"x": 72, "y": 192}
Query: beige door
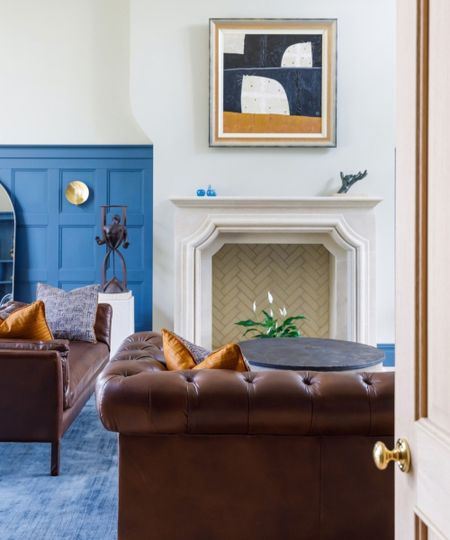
{"x": 423, "y": 268}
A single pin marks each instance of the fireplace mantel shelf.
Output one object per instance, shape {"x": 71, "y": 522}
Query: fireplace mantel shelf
{"x": 346, "y": 201}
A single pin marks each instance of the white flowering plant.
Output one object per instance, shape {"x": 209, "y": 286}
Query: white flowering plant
{"x": 269, "y": 326}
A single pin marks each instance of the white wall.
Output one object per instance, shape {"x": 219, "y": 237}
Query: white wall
{"x": 169, "y": 93}
{"x": 64, "y": 68}
{"x": 65, "y": 80}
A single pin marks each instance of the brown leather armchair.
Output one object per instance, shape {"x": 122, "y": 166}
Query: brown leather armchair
{"x": 44, "y": 385}
{"x": 219, "y": 455}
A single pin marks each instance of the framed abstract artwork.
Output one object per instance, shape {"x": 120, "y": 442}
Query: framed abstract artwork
{"x": 273, "y": 82}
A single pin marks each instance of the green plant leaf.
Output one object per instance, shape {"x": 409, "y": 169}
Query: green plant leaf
{"x": 291, "y": 331}
{"x": 250, "y": 330}
{"x": 269, "y": 327}
{"x": 289, "y": 320}
{"x": 290, "y": 327}
{"x": 248, "y": 322}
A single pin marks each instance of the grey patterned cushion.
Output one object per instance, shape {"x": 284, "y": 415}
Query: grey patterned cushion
{"x": 198, "y": 353}
{"x": 70, "y": 315}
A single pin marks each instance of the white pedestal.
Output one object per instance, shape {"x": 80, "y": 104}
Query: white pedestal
{"x": 123, "y": 316}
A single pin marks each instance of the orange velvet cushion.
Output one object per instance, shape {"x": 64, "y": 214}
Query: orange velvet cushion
{"x": 179, "y": 356}
{"x": 27, "y": 323}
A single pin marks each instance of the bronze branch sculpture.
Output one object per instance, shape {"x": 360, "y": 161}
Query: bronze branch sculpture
{"x": 114, "y": 236}
{"x": 350, "y": 179}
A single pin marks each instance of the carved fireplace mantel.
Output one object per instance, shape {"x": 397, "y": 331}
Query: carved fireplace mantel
{"x": 345, "y": 225}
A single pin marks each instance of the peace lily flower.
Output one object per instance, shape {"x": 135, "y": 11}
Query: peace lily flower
{"x": 269, "y": 326}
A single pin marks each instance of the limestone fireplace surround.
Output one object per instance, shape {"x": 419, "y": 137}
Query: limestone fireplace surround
{"x": 344, "y": 225}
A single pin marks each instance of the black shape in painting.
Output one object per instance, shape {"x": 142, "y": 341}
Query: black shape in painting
{"x": 266, "y": 50}
{"x": 263, "y": 54}
{"x": 303, "y": 87}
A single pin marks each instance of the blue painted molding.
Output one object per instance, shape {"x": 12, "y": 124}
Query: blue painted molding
{"x": 115, "y": 151}
{"x": 56, "y": 240}
{"x": 389, "y": 353}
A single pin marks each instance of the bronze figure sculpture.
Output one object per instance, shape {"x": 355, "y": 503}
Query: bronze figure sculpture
{"x": 114, "y": 236}
{"x": 349, "y": 179}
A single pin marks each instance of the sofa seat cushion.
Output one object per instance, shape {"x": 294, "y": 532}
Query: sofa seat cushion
{"x": 85, "y": 361}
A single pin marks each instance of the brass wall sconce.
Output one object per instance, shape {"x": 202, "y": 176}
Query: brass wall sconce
{"x": 77, "y": 192}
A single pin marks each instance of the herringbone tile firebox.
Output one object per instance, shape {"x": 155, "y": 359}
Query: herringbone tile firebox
{"x": 298, "y": 276}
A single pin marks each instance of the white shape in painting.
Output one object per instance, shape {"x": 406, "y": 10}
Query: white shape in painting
{"x": 233, "y": 42}
{"x": 262, "y": 95}
{"x": 298, "y": 55}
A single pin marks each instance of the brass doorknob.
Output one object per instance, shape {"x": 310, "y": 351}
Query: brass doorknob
{"x": 400, "y": 454}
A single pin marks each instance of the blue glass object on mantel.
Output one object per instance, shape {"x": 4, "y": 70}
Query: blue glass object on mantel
{"x": 211, "y": 192}
{"x": 201, "y": 192}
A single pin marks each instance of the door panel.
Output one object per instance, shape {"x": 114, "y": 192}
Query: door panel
{"x": 434, "y": 536}
{"x": 433, "y": 474}
{"x": 438, "y": 211}
{"x": 55, "y": 239}
{"x": 423, "y": 262}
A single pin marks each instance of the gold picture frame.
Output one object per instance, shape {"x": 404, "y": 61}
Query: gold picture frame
{"x": 273, "y": 82}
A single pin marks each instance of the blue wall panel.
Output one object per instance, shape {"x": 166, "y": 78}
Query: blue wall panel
{"x": 389, "y": 353}
{"x": 56, "y": 240}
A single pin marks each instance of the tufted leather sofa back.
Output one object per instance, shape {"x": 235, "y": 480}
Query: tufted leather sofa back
{"x": 222, "y": 401}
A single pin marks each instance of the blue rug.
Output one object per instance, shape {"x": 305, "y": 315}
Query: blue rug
{"x": 80, "y": 504}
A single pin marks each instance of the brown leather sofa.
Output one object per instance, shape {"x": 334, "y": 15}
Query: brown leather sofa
{"x": 221, "y": 455}
{"x": 44, "y": 385}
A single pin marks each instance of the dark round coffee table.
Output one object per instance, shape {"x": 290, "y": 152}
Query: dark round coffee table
{"x": 311, "y": 354}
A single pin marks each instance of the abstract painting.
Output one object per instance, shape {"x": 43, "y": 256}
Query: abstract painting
{"x": 273, "y": 82}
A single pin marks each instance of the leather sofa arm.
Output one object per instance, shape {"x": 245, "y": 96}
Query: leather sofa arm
{"x": 103, "y": 321}
{"x": 139, "y": 346}
{"x": 132, "y": 399}
{"x": 60, "y": 345}
{"x": 31, "y": 395}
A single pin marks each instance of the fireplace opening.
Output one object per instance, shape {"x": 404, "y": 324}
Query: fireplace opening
{"x": 297, "y": 276}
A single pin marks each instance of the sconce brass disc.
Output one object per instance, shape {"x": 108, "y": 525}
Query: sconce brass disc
{"x": 77, "y": 192}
